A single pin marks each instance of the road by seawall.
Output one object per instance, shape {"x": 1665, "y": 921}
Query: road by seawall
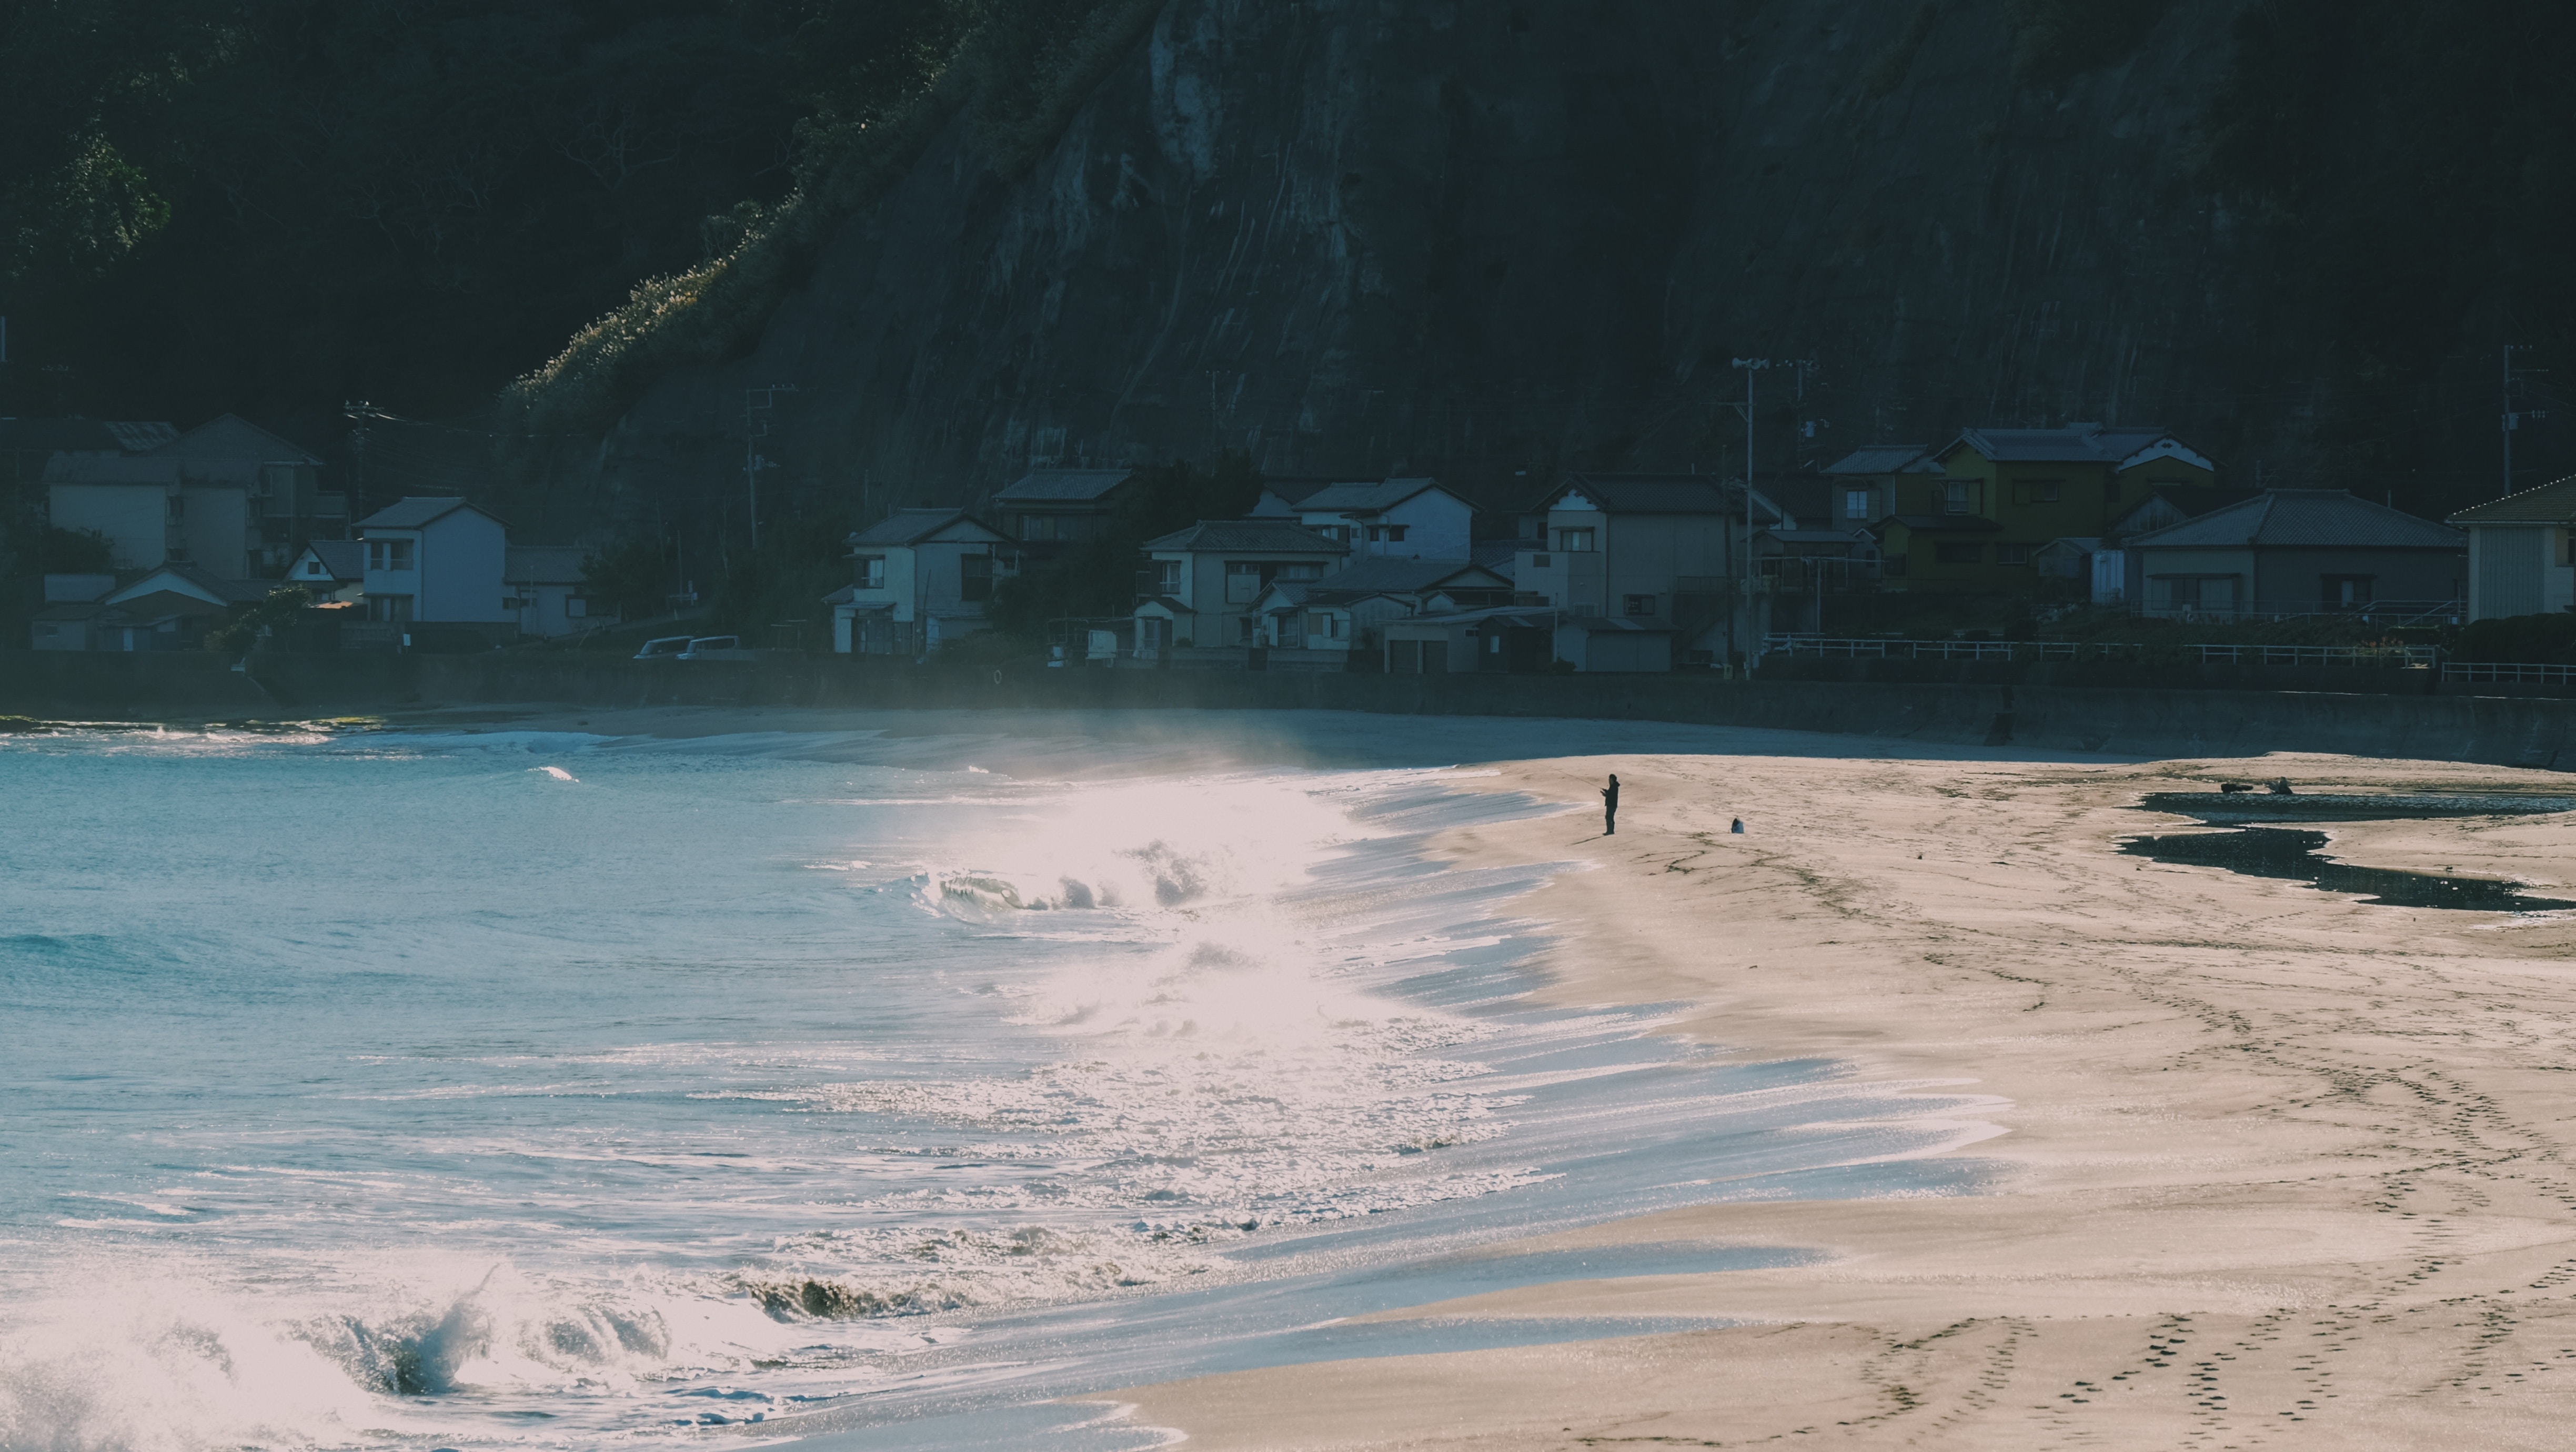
{"x": 2126, "y": 721}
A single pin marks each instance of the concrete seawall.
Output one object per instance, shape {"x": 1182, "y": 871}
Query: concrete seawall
{"x": 2124, "y": 721}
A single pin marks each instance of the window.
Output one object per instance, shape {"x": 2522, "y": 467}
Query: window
{"x": 2346, "y": 592}
{"x": 1636, "y": 604}
{"x": 974, "y": 578}
{"x": 1494, "y": 643}
{"x": 389, "y": 554}
{"x": 1299, "y": 570}
{"x": 313, "y": 567}
{"x": 2012, "y": 554}
{"x": 870, "y": 574}
{"x": 1959, "y": 554}
{"x": 2037, "y": 491}
{"x": 1387, "y": 533}
{"x": 1540, "y": 562}
{"x": 1319, "y": 626}
{"x": 1855, "y": 504}
{"x": 1574, "y": 541}
{"x": 1955, "y": 497}
{"x": 1167, "y": 575}
{"x": 1242, "y": 581}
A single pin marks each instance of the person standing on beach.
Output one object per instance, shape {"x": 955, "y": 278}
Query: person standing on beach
{"x": 1610, "y": 807}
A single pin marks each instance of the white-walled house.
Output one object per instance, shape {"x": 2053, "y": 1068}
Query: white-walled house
{"x": 1341, "y": 616}
{"x": 918, "y": 577}
{"x": 1206, "y": 581}
{"x": 1409, "y": 519}
{"x": 435, "y": 560}
{"x": 331, "y": 570}
{"x": 227, "y": 497}
{"x": 544, "y": 583}
{"x": 2522, "y": 552}
{"x": 1626, "y": 555}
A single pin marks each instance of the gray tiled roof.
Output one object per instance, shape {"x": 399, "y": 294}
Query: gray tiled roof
{"x": 1365, "y": 498}
{"x": 2548, "y": 504}
{"x": 1064, "y": 486}
{"x": 2312, "y": 518}
{"x": 2076, "y": 444}
{"x": 1660, "y": 494}
{"x": 346, "y": 559}
{"x": 1253, "y": 536}
{"x": 414, "y": 511}
{"x": 911, "y": 526}
{"x": 1880, "y": 459}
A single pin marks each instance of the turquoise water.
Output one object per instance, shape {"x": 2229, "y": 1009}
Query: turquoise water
{"x": 549, "y": 1090}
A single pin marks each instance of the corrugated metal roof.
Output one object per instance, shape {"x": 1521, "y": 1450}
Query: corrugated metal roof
{"x": 1064, "y": 486}
{"x": 1256, "y": 536}
{"x": 2304, "y": 519}
{"x": 1880, "y": 459}
{"x": 2548, "y": 504}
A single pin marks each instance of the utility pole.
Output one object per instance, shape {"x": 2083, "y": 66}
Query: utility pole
{"x": 756, "y": 406}
{"x": 2512, "y": 418}
{"x": 360, "y": 413}
{"x": 1751, "y": 366}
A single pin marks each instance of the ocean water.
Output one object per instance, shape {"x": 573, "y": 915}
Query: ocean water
{"x": 511, "y": 1089}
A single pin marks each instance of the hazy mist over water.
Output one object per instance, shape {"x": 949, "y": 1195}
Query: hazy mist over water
{"x": 543, "y": 1090}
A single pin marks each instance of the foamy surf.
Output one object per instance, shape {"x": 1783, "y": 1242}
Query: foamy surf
{"x": 513, "y": 1116}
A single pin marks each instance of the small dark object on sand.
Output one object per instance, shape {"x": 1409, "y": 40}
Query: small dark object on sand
{"x": 2280, "y": 787}
{"x": 2235, "y": 786}
{"x": 1738, "y": 828}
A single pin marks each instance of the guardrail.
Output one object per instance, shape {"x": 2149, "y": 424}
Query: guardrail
{"x": 2416, "y": 657}
{"x": 2403, "y": 656}
{"x": 2476, "y": 671}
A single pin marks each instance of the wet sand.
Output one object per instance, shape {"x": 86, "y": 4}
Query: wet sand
{"x": 2280, "y": 1169}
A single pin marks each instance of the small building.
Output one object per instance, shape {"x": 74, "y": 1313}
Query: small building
{"x": 2299, "y": 552}
{"x": 1337, "y": 620}
{"x": 170, "y": 608}
{"x": 918, "y": 577}
{"x": 227, "y": 496}
{"x": 437, "y": 560}
{"x": 1389, "y": 518}
{"x": 545, "y": 588}
{"x": 2115, "y": 575}
{"x": 1049, "y": 505}
{"x": 2000, "y": 495}
{"x": 332, "y": 570}
{"x": 1862, "y": 485}
{"x": 2522, "y": 552}
{"x": 1202, "y": 586}
{"x": 1663, "y": 552}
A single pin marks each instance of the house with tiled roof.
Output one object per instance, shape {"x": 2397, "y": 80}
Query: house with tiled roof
{"x": 2522, "y": 552}
{"x": 1668, "y": 554}
{"x": 918, "y": 578}
{"x": 436, "y": 560}
{"x": 1411, "y": 518}
{"x": 1047, "y": 505}
{"x": 1977, "y": 519}
{"x": 2303, "y": 551}
{"x": 1202, "y": 585}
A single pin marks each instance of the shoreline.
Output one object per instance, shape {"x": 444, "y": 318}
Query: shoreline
{"x": 2280, "y": 1168}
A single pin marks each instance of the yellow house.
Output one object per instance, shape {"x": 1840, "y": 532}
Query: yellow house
{"x": 1974, "y": 519}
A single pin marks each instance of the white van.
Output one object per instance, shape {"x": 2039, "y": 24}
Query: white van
{"x": 717, "y": 647}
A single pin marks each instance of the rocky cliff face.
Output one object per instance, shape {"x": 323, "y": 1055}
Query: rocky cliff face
{"x": 1479, "y": 238}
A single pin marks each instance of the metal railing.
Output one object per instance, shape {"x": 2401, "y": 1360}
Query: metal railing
{"x": 2391, "y": 613}
{"x": 2416, "y": 657}
{"x": 2508, "y": 673}
{"x": 2410, "y": 656}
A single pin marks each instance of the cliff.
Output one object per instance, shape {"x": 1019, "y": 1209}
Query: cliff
{"x": 1369, "y": 236}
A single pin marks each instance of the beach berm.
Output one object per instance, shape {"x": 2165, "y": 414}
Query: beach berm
{"x": 2280, "y": 1168}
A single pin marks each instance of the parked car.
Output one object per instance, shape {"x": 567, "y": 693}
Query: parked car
{"x": 668, "y": 647}
{"x": 718, "y": 647}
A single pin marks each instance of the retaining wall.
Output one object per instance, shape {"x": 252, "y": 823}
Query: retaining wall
{"x": 2116, "y": 720}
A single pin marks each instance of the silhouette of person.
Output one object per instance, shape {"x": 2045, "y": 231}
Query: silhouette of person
{"x": 1610, "y": 806}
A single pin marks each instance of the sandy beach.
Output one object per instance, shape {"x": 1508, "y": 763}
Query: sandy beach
{"x": 2279, "y": 1168}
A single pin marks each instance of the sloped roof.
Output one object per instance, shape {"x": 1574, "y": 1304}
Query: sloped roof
{"x": 1256, "y": 536}
{"x": 1364, "y": 498}
{"x": 912, "y": 526}
{"x": 1296, "y": 489}
{"x": 169, "y": 577}
{"x": 1064, "y": 486}
{"x": 1370, "y": 573}
{"x": 2305, "y": 518}
{"x": 2548, "y": 504}
{"x": 543, "y": 564}
{"x": 1661, "y": 494}
{"x": 419, "y": 510}
{"x": 230, "y": 436}
{"x": 346, "y": 559}
{"x": 1502, "y": 556}
{"x": 83, "y": 435}
{"x": 1884, "y": 459}
{"x": 2074, "y": 444}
